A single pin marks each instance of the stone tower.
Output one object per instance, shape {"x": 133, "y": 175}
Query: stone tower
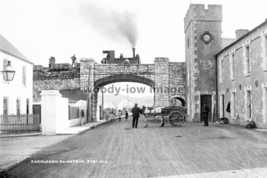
{"x": 202, "y": 28}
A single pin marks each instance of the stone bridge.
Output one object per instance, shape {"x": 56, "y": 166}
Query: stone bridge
{"x": 167, "y": 79}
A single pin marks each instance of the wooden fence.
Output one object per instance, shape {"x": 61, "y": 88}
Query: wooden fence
{"x": 19, "y": 123}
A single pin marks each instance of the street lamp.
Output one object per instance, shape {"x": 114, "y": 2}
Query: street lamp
{"x": 8, "y": 72}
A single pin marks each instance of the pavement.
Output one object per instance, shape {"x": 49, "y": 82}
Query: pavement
{"x": 15, "y": 148}
{"x": 81, "y": 129}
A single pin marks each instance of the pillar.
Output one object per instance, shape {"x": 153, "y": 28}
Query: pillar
{"x": 161, "y": 82}
{"x": 54, "y": 112}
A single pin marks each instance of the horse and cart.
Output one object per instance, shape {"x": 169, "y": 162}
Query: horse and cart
{"x": 175, "y": 115}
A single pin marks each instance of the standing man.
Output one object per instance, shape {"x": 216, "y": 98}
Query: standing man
{"x": 206, "y": 111}
{"x": 119, "y": 114}
{"x": 126, "y": 115}
{"x": 136, "y": 113}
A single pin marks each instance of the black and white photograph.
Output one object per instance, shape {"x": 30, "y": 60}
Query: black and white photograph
{"x": 133, "y": 89}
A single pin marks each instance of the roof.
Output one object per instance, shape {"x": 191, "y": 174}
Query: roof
{"x": 8, "y": 48}
{"x": 241, "y": 38}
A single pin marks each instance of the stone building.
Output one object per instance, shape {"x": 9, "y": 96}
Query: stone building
{"x": 202, "y": 29}
{"x": 242, "y": 77}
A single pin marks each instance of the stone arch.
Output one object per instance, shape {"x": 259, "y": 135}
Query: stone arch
{"x": 123, "y": 78}
{"x": 180, "y": 98}
{"x": 113, "y": 79}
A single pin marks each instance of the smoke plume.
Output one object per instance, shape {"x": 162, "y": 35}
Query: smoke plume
{"x": 115, "y": 25}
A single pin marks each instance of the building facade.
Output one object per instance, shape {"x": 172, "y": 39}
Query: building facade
{"x": 15, "y": 96}
{"x": 242, "y": 77}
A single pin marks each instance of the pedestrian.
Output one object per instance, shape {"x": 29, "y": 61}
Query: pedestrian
{"x": 126, "y": 115}
{"x": 136, "y": 113}
{"x": 119, "y": 114}
{"x": 206, "y": 111}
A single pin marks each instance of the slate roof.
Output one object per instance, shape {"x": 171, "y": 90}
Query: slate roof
{"x": 8, "y": 48}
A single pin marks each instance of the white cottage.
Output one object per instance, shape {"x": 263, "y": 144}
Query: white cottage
{"x": 15, "y": 95}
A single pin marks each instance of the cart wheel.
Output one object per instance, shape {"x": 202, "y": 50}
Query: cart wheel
{"x": 176, "y": 118}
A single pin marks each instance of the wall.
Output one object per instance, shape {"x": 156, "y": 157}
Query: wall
{"x": 161, "y": 82}
{"x": 81, "y": 120}
{"x": 177, "y": 79}
{"x": 43, "y": 79}
{"x": 16, "y": 89}
{"x": 54, "y": 112}
{"x": 255, "y": 82}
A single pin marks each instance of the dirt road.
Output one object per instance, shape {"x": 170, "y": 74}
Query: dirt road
{"x": 117, "y": 150}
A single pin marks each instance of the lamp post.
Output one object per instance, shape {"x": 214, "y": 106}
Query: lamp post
{"x": 8, "y": 72}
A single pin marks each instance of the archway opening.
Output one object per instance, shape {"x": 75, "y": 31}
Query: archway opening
{"x": 121, "y": 96}
{"x": 178, "y": 101}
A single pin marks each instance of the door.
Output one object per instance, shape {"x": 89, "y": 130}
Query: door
{"x": 36, "y": 110}
{"x": 205, "y": 99}
{"x": 222, "y": 106}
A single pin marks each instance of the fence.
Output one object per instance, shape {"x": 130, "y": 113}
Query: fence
{"x": 19, "y": 123}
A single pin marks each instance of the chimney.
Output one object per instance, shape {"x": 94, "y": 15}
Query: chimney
{"x": 240, "y": 32}
{"x": 133, "y": 52}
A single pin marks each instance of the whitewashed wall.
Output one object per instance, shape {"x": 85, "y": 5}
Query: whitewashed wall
{"x": 16, "y": 89}
{"x": 54, "y": 112}
{"x": 81, "y": 120}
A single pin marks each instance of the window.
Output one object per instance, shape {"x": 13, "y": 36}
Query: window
{"x": 221, "y": 66}
{"x": 5, "y": 106}
{"x": 18, "y": 106}
{"x": 247, "y": 60}
{"x": 264, "y": 114}
{"x": 264, "y": 51}
{"x": 188, "y": 43}
{"x": 27, "y": 106}
{"x": 248, "y": 105}
{"x": 232, "y": 66}
{"x": 188, "y": 76}
{"x": 24, "y": 75}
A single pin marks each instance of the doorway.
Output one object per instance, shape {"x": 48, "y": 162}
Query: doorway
{"x": 205, "y": 99}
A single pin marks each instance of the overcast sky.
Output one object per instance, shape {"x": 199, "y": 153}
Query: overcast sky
{"x": 61, "y": 28}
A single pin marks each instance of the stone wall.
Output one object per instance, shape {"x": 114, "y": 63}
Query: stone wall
{"x": 177, "y": 79}
{"x": 44, "y": 79}
{"x": 161, "y": 82}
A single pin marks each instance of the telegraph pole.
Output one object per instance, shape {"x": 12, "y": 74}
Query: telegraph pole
{"x": 89, "y": 118}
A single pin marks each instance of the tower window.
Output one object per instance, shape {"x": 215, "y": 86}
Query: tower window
{"x": 188, "y": 43}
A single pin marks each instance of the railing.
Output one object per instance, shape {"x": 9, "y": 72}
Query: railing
{"x": 19, "y": 123}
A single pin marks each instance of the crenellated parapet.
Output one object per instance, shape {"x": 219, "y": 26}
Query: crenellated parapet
{"x": 198, "y": 12}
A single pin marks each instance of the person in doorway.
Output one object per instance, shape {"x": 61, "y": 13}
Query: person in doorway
{"x": 206, "y": 111}
{"x": 136, "y": 113}
{"x": 126, "y": 115}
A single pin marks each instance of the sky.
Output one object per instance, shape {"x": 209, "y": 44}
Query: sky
{"x": 60, "y": 28}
